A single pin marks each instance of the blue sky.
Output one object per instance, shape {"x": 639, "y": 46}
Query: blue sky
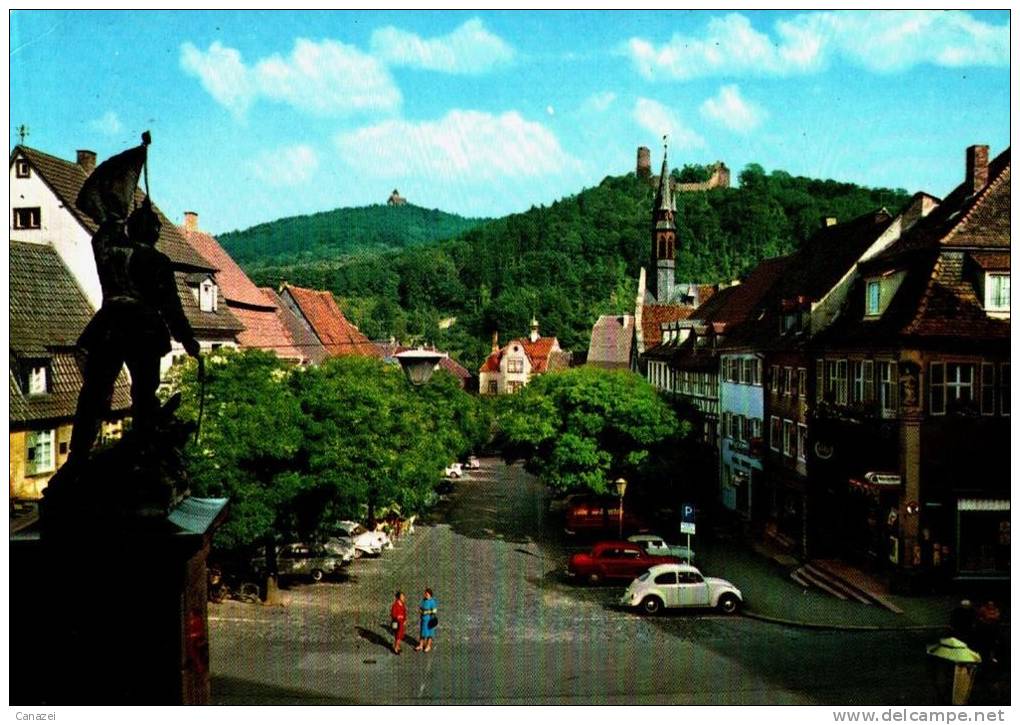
{"x": 258, "y": 115}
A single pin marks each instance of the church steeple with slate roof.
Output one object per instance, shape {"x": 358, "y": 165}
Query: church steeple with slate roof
{"x": 662, "y": 280}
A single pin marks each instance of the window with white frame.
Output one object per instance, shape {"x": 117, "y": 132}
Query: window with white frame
{"x": 887, "y": 385}
{"x": 788, "y": 441}
{"x": 39, "y": 456}
{"x": 773, "y": 378}
{"x": 997, "y": 292}
{"x": 515, "y": 365}
{"x": 775, "y": 431}
{"x": 756, "y": 429}
{"x": 857, "y": 376}
{"x": 841, "y": 382}
{"x": 801, "y": 442}
{"x": 207, "y": 295}
{"x": 987, "y": 388}
{"x": 37, "y": 382}
{"x": 869, "y": 381}
{"x": 802, "y": 383}
{"x": 819, "y": 380}
{"x": 748, "y": 376}
{"x": 756, "y": 371}
{"x": 830, "y": 380}
{"x": 949, "y": 383}
{"x": 874, "y": 298}
{"x": 27, "y": 217}
{"x": 787, "y": 381}
{"x": 22, "y": 169}
{"x": 738, "y": 428}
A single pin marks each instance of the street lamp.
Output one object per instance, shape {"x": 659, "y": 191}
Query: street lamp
{"x": 419, "y": 364}
{"x": 621, "y": 488}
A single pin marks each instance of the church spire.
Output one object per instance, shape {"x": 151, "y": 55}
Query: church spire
{"x": 663, "y": 235}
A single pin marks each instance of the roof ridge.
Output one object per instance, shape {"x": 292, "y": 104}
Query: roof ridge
{"x": 978, "y": 199}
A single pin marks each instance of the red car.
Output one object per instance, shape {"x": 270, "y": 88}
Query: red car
{"x": 614, "y": 560}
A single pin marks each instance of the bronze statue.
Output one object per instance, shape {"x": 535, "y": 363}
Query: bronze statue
{"x": 141, "y": 308}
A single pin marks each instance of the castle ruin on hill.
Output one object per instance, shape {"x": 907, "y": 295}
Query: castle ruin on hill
{"x": 719, "y": 178}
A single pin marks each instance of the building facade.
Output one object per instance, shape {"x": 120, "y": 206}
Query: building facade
{"x": 511, "y": 367}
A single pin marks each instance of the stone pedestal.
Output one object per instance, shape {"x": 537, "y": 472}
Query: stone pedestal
{"x": 106, "y": 612}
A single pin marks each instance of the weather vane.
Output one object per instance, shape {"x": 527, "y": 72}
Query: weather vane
{"x": 22, "y": 133}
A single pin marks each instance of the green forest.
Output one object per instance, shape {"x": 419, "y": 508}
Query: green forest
{"x": 568, "y": 262}
{"x": 333, "y": 235}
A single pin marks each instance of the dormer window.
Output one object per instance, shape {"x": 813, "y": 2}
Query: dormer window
{"x": 997, "y": 292}
{"x": 21, "y": 169}
{"x": 874, "y": 297}
{"x": 207, "y": 295}
{"x": 38, "y": 383}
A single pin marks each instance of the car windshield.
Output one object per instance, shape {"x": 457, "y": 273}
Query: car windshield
{"x": 644, "y": 577}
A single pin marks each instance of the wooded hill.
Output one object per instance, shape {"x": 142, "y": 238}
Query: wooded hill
{"x": 330, "y": 235}
{"x": 566, "y": 263}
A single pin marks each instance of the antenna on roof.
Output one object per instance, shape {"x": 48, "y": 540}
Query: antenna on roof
{"x": 23, "y": 131}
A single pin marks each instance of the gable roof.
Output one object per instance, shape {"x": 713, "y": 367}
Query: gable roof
{"x": 338, "y": 336}
{"x": 298, "y": 331}
{"x": 66, "y": 178}
{"x": 231, "y": 278}
{"x": 652, "y": 317}
{"x": 48, "y": 312}
{"x": 544, "y": 355}
{"x": 611, "y": 340}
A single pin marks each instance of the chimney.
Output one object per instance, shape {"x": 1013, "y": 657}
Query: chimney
{"x": 977, "y": 168}
{"x": 191, "y": 221}
{"x": 644, "y": 162}
{"x": 495, "y": 341}
{"x": 534, "y": 330}
{"x": 87, "y": 160}
{"x": 830, "y": 221}
{"x": 920, "y": 206}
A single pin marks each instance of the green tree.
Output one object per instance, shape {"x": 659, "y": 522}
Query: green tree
{"x": 582, "y": 428}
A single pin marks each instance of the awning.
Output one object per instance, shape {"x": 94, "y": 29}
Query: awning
{"x": 982, "y": 504}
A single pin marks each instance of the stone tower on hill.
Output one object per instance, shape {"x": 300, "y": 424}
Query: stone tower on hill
{"x": 396, "y": 199}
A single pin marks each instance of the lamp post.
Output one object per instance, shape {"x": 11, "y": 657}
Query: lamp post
{"x": 419, "y": 364}
{"x": 621, "y": 488}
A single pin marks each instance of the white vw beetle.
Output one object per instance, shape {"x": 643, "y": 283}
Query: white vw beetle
{"x": 680, "y": 585}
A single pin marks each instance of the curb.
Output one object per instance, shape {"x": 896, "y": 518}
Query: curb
{"x": 838, "y": 627}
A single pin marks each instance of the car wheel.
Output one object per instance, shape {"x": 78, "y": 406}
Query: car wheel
{"x": 728, "y": 604}
{"x": 593, "y": 579}
{"x": 317, "y": 575}
{"x": 651, "y": 605}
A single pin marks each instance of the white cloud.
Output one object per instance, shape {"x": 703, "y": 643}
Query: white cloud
{"x": 658, "y": 119}
{"x": 460, "y": 146}
{"x": 731, "y": 110}
{"x": 470, "y": 49}
{"x": 327, "y": 78}
{"x": 599, "y": 102}
{"x": 883, "y": 41}
{"x": 109, "y": 124}
{"x": 287, "y": 166}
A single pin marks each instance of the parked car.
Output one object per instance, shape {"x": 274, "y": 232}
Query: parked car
{"x": 472, "y": 463}
{"x": 365, "y": 541}
{"x": 454, "y": 470}
{"x": 298, "y": 560}
{"x": 657, "y": 546}
{"x": 613, "y": 560}
{"x": 599, "y": 516}
{"x": 341, "y": 546}
{"x": 673, "y": 586}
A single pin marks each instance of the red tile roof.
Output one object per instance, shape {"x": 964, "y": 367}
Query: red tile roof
{"x": 652, "y": 316}
{"x": 541, "y": 353}
{"x": 336, "y": 333}
{"x": 232, "y": 280}
{"x": 264, "y": 330}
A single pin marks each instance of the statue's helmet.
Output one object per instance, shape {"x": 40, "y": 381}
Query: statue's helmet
{"x": 144, "y": 225}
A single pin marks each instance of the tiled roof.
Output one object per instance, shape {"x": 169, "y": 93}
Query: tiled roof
{"x": 298, "y": 331}
{"x": 232, "y": 280}
{"x": 652, "y": 316}
{"x": 264, "y": 330}
{"x": 541, "y": 353}
{"x": 220, "y": 321}
{"x": 747, "y": 297}
{"x": 336, "y": 333}
{"x": 65, "y": 178}
{"x": 47, "y": 314}
{"x": 611, "y": 340}
{"x": 991, "y": 261}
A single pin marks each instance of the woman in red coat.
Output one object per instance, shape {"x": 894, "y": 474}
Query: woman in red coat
{"x": 398, "y": 613}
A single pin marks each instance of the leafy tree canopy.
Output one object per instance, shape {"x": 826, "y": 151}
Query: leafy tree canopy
{"x": 583, "y": 428}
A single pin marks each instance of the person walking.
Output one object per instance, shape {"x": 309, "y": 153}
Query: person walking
{"x": 398, "y": 615}
{"x": 429, "y": 619}
{"x": 987, "y": 630}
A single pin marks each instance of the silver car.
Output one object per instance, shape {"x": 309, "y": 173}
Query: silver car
{"x": 301, "y": 561}
{"x": 657, "y": 546}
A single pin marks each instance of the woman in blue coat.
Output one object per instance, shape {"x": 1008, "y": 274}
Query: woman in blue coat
{"x": 429, "y": 619}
